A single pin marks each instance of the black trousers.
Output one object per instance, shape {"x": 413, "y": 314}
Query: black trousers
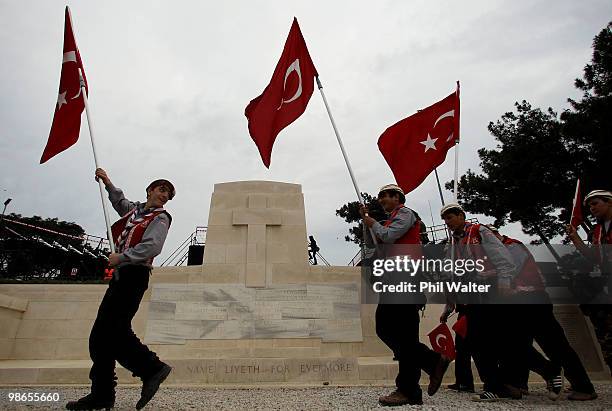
{"x": 397, "y": 325}
{"x": 463, "y": 361}
{"x": 543, "y": 327}
{"x": 112, "y": 338}
{"x": 498, "y": 347}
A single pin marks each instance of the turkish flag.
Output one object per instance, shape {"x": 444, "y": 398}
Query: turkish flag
{"x": 285, "y": 98}
{"x": 70, "y": 104}
{"x": 577, "y": 218}
{"x": 441, "y": 341}
{"x": 416, "y": 145}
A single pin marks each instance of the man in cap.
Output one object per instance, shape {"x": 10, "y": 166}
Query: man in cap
{"x": 397, "y": 324}
{"x": 600, "y": 254}
{"x": 543, "y": 327}
{"x": 497, "y": 351}
{"x": 139, "y": 236}
{"x": 600, "y": 205}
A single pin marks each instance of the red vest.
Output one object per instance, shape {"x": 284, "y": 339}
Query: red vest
{"x": 134, "y": 236}
{"x": 599, "y": 237}
{"x": 412, "y": 236}
{"x": 472, "y": 237}
{"x": 529, "y": 277}
{"x": 600, "y": 240}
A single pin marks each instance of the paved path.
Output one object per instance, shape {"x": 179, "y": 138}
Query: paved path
{"x": 323, "y": 398}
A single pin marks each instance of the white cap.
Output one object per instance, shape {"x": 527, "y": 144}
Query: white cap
{"x": 451, "y": 206}
{"x": 391, "y": 187}
{"x": 597, "y": 193}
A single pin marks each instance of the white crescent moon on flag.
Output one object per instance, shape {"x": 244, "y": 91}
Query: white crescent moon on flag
{"x": 443, "y": 116}
{"x": 70, "y": 57}
{"x": 442, "y": 336}
{"x": 295, "y": 66}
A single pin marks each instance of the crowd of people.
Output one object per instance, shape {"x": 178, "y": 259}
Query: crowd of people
{"x": 502, "y": 325}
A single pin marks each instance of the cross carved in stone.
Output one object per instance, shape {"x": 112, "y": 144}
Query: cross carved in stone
{"x": 256, "y": 217}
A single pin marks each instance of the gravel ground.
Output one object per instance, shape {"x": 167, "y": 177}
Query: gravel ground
{"x": 323, "y": 398}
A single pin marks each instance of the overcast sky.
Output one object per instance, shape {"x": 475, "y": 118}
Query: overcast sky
{"x": 169, "y": 81}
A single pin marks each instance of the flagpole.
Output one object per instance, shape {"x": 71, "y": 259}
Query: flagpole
{"x": 455, "y": 182}
{"x": 439, "y": 187}
{"x": 93, "y": 146}
{"x": 346, "y": 160}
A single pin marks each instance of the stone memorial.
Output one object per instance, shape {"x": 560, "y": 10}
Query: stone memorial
{"x": 255, "y": 311}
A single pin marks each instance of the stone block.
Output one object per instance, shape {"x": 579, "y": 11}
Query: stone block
{"x": 13, "y": 303}
{"x": 282, "y": 293}
{"x": 62, "y": 375}
{"x": 271, "y": 187}
{"x": 297, "y": 342}
{"x": 277, "y": 253}
{"x": 286, "y": 201}
{"x": 251, "y": 370}
{"x": 306, "y": 309}
{"x": 214, "y": 254}
{"x": 226, "y": 201}
{"x": 287, "y": 234}
{"x": 256, "y": 233}
{"x": 35, "y": 348}
{"x": 282, "y": 328}
{"x": 255, "y": 275}
{"x": 322, "y": 369}
{"x": 219, "y": 217}
{"x": 218, "y": 273}
{"x": 229, "y": 234}
{"x": 193, "y": 371}
{"x": 294, "y": 217}
{"x": 199, "y": 311}
{"x": 256, "y": 253}
{"x": 6, "y": 348}
{"x": 72, "y": 349}
{"x": 289, "y": 273}
{"x": 373, "y": 372}
{"x": 236, "y": 254}
{"x": 9, "y": 326}
{"x": 284, "y": 352}
{"x": 266, "y": 216}
{"x": 19, "y": 376}
{"x": 258, "y": 201}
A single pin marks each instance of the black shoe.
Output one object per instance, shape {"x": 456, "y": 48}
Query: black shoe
{"x": 91, "y": 402}
{"x": 554, "y": 387}
{"x": 486, "y": 396}
{"x": 461, "y": 387}
{"x": 397, "y": 398}
{"x": 435, "y": 379}
{"x": 151, "y": 385}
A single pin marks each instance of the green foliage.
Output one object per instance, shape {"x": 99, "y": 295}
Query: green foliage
{"x": 350, "y": 213}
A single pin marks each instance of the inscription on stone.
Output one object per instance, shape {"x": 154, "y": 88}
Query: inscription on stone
{"x": 180, "y": 312}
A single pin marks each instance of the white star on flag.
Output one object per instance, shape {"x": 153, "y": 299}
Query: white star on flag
{"x": 61, "y": 99}
{"x": 429, "y": 143}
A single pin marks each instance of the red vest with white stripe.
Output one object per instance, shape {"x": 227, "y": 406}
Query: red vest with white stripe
{"x": 530, "y": 277}
{"x": 135, "y": 233}
{"x": 412, "y": 236}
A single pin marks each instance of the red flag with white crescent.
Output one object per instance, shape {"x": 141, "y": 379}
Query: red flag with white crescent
{"x": 441, "y": 341}
{"x": 70, "y": 104}
{"x": 416, "y": 145}
{"x": 285, "y": 98}
{"x": 577, "y": 217}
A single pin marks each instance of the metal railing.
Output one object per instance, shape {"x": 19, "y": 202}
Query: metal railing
{"x": 181, "y": 253}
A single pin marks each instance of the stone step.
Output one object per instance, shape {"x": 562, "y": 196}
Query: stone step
{"x": 312, "y": 371}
